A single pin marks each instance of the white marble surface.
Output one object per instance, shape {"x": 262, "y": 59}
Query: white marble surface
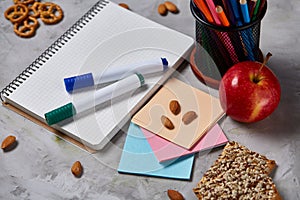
{"x": 39, "y": 167}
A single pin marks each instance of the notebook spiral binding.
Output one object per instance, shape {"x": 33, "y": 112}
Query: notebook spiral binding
{"x": 54, "y": 47}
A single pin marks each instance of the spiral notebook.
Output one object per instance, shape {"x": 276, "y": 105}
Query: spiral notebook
{"x": 106, "y": 36}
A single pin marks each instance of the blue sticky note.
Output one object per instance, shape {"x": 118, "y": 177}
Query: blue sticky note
{"x": 138, "y": 158}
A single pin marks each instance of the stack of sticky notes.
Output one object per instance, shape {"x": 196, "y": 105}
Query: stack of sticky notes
{"x": 152, "y": 149}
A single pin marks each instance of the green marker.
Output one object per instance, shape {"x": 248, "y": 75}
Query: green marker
{"x": 118, "y": 88}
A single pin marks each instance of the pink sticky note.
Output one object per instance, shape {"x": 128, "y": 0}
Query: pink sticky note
{"x": 165, "y": 150}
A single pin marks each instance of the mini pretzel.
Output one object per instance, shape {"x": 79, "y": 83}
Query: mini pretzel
{"x": 50, "y": 13}
{"x": 34, "y": 9}
{"x": 27, "y": 27}
{"x": 16, "y": 13}
{"x": 26, "y": 2}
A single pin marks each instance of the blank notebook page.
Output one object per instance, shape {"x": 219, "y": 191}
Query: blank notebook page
{"x": 112, "y": 37}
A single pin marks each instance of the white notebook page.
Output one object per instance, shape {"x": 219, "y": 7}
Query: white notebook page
{"x": 115, "y": 36}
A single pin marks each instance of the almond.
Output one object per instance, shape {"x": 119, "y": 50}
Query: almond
{"x": 189, "y": 117}
{"x": 171, "y": 7}
{"x": 124, "y": 5}
{"x": 77, "y": 169}
{"x": 167, "y": 122}
{"x": 175, "y": 195}
{"x": 162, "y": 9}
{"x": 175, "y": 107}
{"x": 8, "y": 142}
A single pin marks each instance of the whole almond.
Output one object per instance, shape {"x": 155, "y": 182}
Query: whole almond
{"x": 189, "y": 117}
{"x": 124, "y": 5}
{"x": 77, "y": 169}
{"x": 171, "y": 7}
{"x": 8, "y": 142}
{"x": 167, "y": 122}
{"x": 174, "y": 107}
{"x": 175, "y": 195}
{"x": 162, "y": 9}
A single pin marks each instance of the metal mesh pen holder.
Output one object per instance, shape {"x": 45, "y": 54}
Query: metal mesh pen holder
{"x": 226, "y": 46}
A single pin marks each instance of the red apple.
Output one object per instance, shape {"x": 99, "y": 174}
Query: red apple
{"x": 249, "y": 91}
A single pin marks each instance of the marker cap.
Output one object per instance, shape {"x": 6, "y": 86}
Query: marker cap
{"x": 141, "y": 78}
{"x": 60, "y": 114}
{"x": 80, "y": 81}
{"x": 165, "y": 64}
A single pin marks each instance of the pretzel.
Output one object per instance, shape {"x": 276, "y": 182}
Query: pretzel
{"x": 50, "y": 13}
{"x": 24, "y": 15}
{"x": 16, "y": 13}
{"x": 34, "y": 9}
{"x": 27, "y": 27}
{"x": 26, "y": 2}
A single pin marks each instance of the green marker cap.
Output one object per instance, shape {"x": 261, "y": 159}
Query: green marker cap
{"x": 61, "y": 113}
{"x": 141, "y": 77}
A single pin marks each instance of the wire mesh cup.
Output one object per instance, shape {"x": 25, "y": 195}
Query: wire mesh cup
{"x": 218, "y": 47}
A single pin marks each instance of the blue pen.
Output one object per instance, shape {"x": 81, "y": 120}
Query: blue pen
{"x": 245, "y": 11}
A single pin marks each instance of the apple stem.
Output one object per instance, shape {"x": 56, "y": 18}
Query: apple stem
{"x": 268, "y": 56}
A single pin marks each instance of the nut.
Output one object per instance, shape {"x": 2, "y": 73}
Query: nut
{"x": 171, "y": 7}
{"x": 189, "y": 117}
{"x": 162, "y": 9}
{"x": 124, "y": 5}
{"x": 175, "y": 195}
{"x": 77, "y": 169}
{"x": 175, "y": 107}
{"x": 8, "y": 142}
{"x": 167, "y": 122}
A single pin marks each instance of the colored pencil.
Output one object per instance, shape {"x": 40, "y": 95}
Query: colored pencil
{"x": 204, "y": 9}
{"x": 255, "y": 10}
{"x": 212, "y": 8}
{"x": 236, "y": 12}
{"x": 262, "y": 5}
{"x": 222, "y": 16}
{"x": 251, "y": 7}
{"x": 245, "y": 11}
{"x": 247, "y": 40}
{"x": 229, "y": 46}
{"x": 228, "y": 11}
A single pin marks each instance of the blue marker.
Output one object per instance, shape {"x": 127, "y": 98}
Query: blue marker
{"x": 115, "y": 73}
{"x": 102, "y": 95}
{"x": 245, "y": 11}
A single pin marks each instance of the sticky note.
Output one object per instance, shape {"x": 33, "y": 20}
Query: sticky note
{"x": 138, "y": 158}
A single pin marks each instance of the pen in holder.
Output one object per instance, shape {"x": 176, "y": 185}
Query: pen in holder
{"x": 224, "y": 45}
